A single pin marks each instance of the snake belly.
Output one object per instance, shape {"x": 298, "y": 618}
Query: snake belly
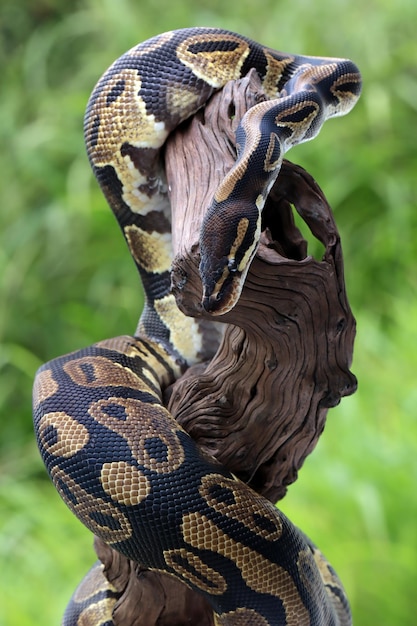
{"x": 115, "y": 454}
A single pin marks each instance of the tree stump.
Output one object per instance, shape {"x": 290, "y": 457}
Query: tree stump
{"x": 260, "y": 404}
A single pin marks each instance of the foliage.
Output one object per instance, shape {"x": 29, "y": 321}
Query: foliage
{"x": 66, "y": 279}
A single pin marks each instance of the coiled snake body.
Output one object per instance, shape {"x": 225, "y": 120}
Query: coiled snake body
{"x": 116, "y": 456}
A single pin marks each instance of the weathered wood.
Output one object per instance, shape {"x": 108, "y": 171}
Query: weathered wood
{"x": 260, "y": 405}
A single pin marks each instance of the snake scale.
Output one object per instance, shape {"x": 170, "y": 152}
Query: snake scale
{"x": 115, "y": 454}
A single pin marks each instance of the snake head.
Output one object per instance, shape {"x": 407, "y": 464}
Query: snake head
{"x": 222, "y": 285}
{"x": 228, "y": 243}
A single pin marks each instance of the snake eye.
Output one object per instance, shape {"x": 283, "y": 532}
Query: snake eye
{"x": 232, "y": 266}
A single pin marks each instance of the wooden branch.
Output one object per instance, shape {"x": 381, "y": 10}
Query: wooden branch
{"x": 259, "y": 406}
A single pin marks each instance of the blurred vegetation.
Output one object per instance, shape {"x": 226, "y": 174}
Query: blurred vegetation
{"x": 67, "y": 280}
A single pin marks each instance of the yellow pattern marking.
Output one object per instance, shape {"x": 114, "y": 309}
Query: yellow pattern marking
{"x": 151, "y": 251}
{"x": 251, "y": 250}
{"x": 125, "y": 483}
{"x": 237, "y": 284}
{"x": 181, "y": 101}
{"x": 99, "y": 612}
{"x": 299, "y": 129}
{"x": 157, "y": 366}
{"x": 93, "y": 511}
{"x": 260, "y": 574}
{"x": 270, "y": 164}
{"x": 346, "y": 98}
{"x": 215, "y": 67}
{"x": 274, "y": 71}
{"x": 260, "y": 201}
{"x": 241, "y": 617}
{"x": 241, "y": 231}
{"x": 124, "y": 121}
{"x": 192, "y": 568}
{"x": 226, "y": 188}
{"x": 239, "y": 504}
{"x": 183, "y": 330}
{"x": 69, "y": 435}
{"x": 45, "y": 387}
{"x": 98, "y": 371}
{"x": 147, "y": 429}
{"x": 219, "y": 285}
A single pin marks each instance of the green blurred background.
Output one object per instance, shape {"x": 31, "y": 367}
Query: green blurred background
{"x": 66, "y": 279}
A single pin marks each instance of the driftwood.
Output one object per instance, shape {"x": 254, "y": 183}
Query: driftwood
{"x": 259, "y": 406}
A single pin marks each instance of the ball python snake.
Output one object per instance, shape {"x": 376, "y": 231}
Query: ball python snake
{"x": 115, "y": 454}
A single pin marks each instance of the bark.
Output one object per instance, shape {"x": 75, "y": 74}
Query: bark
{"x": 260, "y": 405}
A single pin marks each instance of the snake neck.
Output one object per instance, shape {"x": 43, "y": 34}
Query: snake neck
{"x": 146, "y": 227}
{"x": 161, "y": 320}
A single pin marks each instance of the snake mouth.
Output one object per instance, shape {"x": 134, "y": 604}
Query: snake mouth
{"x": 222, "y": 296}
{"x": 215, "y": 305}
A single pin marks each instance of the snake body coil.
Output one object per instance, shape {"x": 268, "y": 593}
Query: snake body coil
{"x": 116, "y": 456}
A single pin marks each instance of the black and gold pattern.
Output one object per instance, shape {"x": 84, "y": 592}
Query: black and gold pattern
{"x": 93, "y": 600}
{"x": 115, "y": 454}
